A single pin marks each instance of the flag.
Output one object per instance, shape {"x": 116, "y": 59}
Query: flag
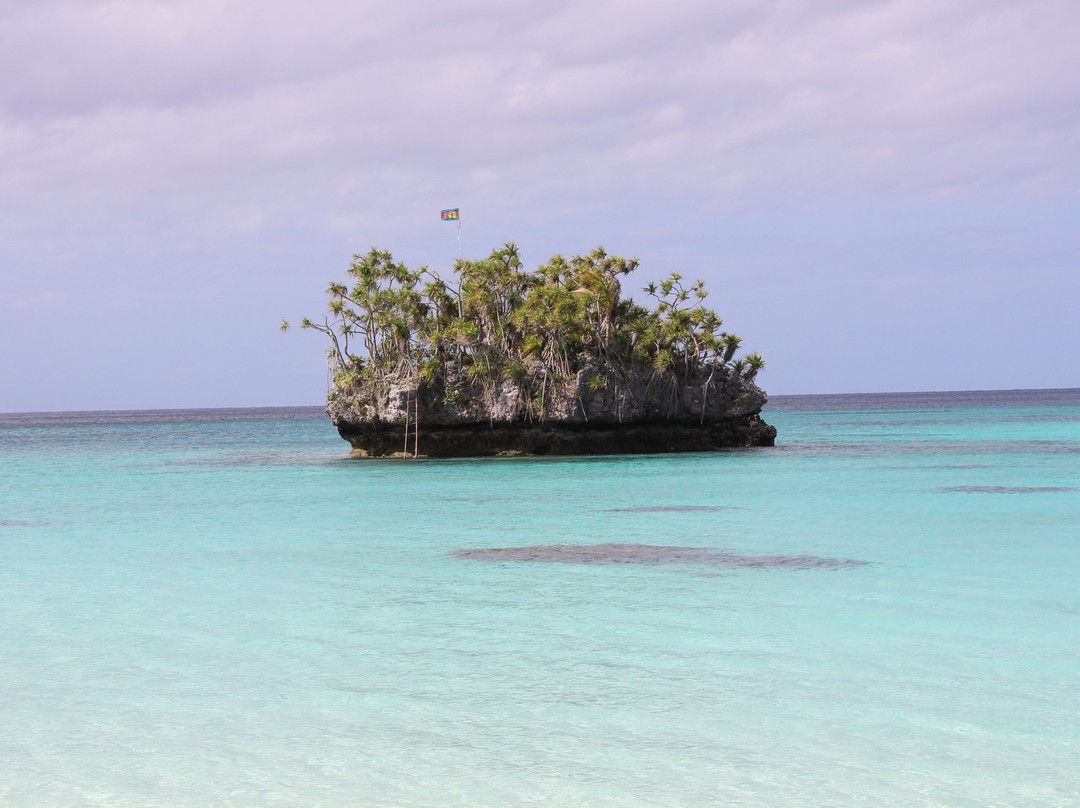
{"x": 450, "y": 215}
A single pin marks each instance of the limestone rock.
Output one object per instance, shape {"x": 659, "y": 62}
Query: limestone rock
{"x": 593, "y": 413}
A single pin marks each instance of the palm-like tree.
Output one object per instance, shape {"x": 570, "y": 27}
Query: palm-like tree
{"x": 731, "y": 344}
{"x": 754, "y": 363}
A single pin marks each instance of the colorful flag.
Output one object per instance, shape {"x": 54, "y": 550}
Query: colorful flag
{"x": 450, "y": 215}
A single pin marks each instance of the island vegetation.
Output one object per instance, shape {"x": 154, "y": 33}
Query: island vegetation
{"x": 501, "y": 343}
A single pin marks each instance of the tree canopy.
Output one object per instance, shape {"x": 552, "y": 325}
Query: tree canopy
{"x": 388, "y": 324}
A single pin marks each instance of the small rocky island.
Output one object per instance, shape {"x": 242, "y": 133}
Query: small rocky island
{"x": 502, "y": 361}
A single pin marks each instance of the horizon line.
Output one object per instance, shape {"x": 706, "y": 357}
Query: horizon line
{"x": 320, "y": 405}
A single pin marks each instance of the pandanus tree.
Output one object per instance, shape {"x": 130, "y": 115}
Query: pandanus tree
{"x": 754, "y": 363}
{"x": 731, "y": 344}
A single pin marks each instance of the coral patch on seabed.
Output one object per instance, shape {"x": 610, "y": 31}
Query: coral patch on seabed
{"x": 649, "y": 554}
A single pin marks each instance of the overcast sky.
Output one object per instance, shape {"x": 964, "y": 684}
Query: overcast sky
{"x": 880, "y": 196}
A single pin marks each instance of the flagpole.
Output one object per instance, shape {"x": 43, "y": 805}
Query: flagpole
{"x": 452, "y": 214}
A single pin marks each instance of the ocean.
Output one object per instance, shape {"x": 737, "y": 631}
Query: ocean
{"x": 219, "y": 608}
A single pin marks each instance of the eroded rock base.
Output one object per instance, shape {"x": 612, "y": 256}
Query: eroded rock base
{"x": 488, "y": 440}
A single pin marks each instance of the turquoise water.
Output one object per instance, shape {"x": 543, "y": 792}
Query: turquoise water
{"x": 216, "y": 608}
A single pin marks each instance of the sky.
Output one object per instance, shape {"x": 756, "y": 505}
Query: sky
{"x": 881, "y": 195}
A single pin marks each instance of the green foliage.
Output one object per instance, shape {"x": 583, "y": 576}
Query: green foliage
{"x": 499, "y": 321}
{"x": 596, "y": 382}
{"x": 754, "y": 363}
{"x": 453, "y": 397}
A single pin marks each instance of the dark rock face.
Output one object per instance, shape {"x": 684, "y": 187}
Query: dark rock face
{"x": 649, "y": 554}
{"x": 556, "y": 438}
{"x": 647, "y": 413}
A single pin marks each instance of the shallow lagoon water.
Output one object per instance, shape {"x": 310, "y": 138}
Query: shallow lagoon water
{"x": 217, "y": 608}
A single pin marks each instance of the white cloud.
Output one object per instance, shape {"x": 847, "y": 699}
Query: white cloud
{"x": 38, "y": 301}
{"x": 130, "y": 101}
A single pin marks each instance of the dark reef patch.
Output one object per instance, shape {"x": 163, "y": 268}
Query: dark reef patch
{"x": 957, "y": 467}
{"x": 649, "y": 554}
{"x": 1005, "y": 489}
{"x": 19, "y": 523}
{"x": 676, "y": 509}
